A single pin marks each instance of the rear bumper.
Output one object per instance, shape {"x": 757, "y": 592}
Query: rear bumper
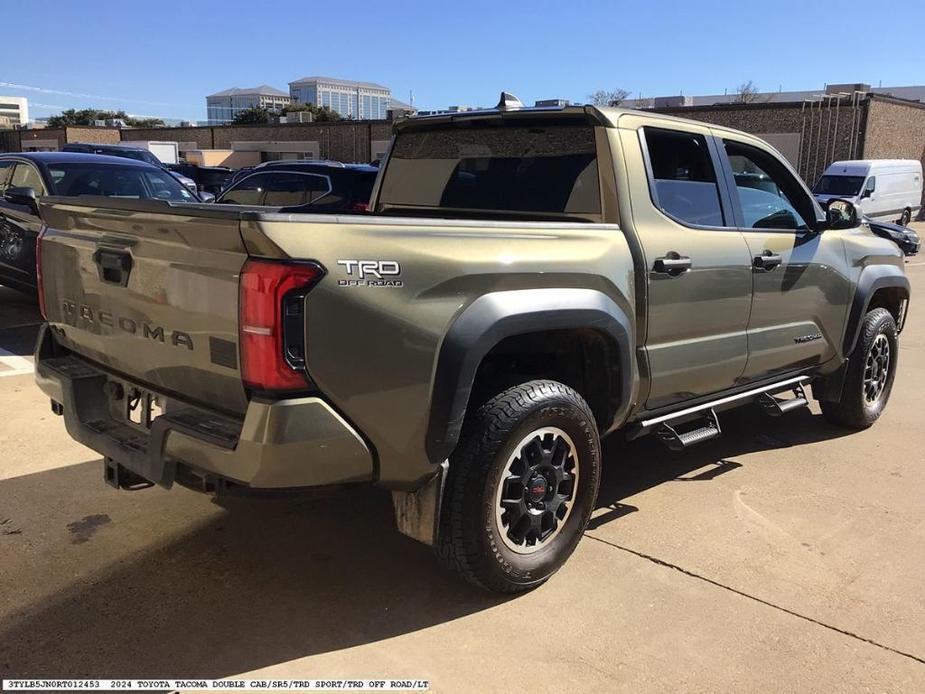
{"x": 281, "y": 444}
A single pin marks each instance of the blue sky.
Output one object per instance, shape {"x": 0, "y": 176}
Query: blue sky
{"x": 163, "y": 58}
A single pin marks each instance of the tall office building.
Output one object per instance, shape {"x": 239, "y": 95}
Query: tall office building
{"x": 222, "y": 107}
{"x": 358, "y": 100}
{"x": 14, "y": 110}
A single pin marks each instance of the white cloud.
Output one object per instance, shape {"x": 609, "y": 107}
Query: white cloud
{"x": 78, "y": 95}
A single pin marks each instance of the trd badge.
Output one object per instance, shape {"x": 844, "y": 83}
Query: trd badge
{"x": 371, "y": 273}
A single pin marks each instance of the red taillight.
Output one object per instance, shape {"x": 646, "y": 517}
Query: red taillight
{"x": 271, "y": 293}
{"x": 360, "y": 207}
{"x": 40, "y": 285}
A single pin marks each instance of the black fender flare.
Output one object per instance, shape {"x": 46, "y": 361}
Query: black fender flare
{"x": 497, "y": 315}
{"x": 873, "y": 278}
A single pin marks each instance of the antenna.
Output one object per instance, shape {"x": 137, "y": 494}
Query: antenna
{"x": 509, "y": 102}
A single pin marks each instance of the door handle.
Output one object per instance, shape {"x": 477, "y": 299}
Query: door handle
{"x": 767, "y": 261}
{"x": 113, "y": 266}
{"x": 672, "y": 264}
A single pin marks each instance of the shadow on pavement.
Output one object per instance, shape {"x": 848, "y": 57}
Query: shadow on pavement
{"x": 265, "y": 581}
{"x": 270, "y": 581}
{"x": 631, "y": 467}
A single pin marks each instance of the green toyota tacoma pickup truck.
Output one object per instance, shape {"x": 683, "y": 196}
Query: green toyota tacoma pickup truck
{"x": 526, "y": 282}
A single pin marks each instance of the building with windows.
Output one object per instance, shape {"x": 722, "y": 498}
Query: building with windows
{"x": 16, "y": 109}
{"x": 223, "y": 106}
{"x": 357, "y": 100}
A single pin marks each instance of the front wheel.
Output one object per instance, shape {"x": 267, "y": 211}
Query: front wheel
{"x": 869, "y": 379}
{"x": 521, "y": 487}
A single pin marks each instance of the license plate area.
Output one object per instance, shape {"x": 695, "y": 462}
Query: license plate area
{"x": 142, "y": 407}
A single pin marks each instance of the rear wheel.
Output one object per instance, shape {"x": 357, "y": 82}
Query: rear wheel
{"x": 905, "y": 218}
{"x": 871, "y": 370}
{"x": 521, "y": 487}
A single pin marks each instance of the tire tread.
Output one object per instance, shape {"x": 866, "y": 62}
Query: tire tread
{"x": 849, "y": 412}
{"x": 483, "y": 434}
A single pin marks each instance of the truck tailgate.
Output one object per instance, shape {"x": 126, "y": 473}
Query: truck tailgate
{"x": 148, "y": 290}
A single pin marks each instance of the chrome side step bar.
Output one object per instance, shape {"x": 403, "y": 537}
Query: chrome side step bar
{"x": 776, "y": 407}
{"x": 678, "y": 440}
{"x": 646, "y": 425}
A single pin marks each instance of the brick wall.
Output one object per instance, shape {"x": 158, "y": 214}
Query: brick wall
{"x": 99, "y": 136}
{"x": 9, "y": 141}
{"x": 342, "y": 141}
{"x": 57, "y": 134}
{"x": 20, "y": 139}
{"x": 895, "y": 130}
{"x": 201, "y": 136}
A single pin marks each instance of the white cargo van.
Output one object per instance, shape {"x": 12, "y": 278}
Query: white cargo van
{"x": 167, "y": 152}
{"x": 883, "y": 189}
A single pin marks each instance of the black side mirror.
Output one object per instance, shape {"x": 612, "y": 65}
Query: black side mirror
{"x": 867, "y": 193}
{"x": 840, "y": 214}
{"x": 22, "y": 196}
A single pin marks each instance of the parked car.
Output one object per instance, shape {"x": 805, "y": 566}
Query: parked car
{"x": 27, "y": 177}
{"x": 904, "y": 237}
{"x": 208, "y": 179}
{"x": 528, "y": 281}
{"x": 885, "y": 190}
{"x": 136, "y": 153}
{"x": 297, "y": 186}
{"x": 248, "y": 170}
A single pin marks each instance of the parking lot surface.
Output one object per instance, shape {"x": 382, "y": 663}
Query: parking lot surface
{"x": 788, "y": 555}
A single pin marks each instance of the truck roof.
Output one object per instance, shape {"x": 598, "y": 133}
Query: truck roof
{"x": 860, "y": 165}
{"x": 607, "y": 116}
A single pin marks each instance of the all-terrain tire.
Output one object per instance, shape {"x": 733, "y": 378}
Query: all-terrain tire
{"x": 474, "y": 540}
{"x": 856, "y": 409}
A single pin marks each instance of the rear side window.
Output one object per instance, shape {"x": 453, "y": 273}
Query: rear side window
{"x": 286, "y": 189}
{"x": 544, "y": 170}
{"x": 247, "y": 192}
{"x": 683, "y": 177}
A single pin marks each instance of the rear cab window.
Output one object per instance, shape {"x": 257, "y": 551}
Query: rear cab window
{"x": 502, "y": 171}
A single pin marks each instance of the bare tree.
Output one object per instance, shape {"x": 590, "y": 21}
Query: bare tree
{"x": 747, "y": 93}
{"x": 604, "y": 97}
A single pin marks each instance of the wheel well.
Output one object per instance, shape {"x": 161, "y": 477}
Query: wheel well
{"x": 890, "y": 298}
{"x": 584, "y": 359}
